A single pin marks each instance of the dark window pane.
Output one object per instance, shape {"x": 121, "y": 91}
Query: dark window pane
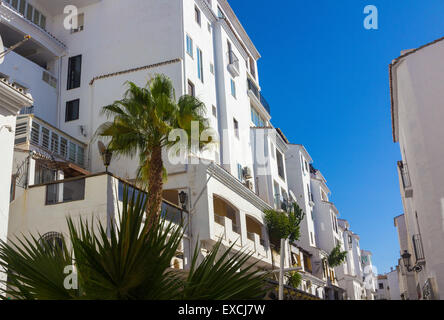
{"x": 72, "y": 110}
{"x": 74, "y": 72}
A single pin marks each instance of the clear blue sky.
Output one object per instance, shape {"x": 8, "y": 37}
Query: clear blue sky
{"x": 326, "y": 80}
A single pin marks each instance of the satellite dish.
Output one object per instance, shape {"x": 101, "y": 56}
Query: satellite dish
{"x": 2, "y": 49}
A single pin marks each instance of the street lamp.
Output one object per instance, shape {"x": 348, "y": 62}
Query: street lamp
{"x": 406, "y": 258}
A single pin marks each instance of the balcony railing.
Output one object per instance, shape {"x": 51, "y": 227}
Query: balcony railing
{"x": 255, "y": 90}
{"x": 233, "y": 63}
{"x": 417, "y": 246}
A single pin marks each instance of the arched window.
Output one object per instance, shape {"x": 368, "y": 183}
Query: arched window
{"x": 53, "y": 240}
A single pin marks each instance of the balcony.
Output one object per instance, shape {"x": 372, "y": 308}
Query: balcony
{"x": 257, "y": 96}
{"x": 233, "y": 63}
{"x": 18, "y": 21}
{"x": 405, "y": 178}
{"x": 35, "y": 134}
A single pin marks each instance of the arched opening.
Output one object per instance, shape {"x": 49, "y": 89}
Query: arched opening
{"x": 223, "y": 208}
{"x": 53, "y": 240}
{"x": 254, "y": 227}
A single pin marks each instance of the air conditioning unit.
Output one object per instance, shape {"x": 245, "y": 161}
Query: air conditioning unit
{"x": 249, "y": 184}
{"x": 247, "y": 173}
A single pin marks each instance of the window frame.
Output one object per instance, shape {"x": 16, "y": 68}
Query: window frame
{"x": 73, "y": 104}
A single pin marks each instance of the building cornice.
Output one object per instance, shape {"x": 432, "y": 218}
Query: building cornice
{"x": 12, "y": 99}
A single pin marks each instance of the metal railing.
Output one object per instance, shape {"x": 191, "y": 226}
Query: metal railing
{"x": 252, "y": 86}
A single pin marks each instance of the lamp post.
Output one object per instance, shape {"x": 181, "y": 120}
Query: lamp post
{"x": 406, "y": 258}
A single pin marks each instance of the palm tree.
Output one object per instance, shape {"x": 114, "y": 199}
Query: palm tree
{"x": 141, "y": 123}
{"x": 124, "y": 262}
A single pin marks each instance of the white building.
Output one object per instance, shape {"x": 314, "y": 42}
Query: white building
{"x": 203, "y": 48}
{"x": 416, "y": 82}
{"x": 12, "y": 99}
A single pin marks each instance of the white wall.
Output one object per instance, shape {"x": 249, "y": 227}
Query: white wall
{"x": 29, "y": 74}
{"x": 420, "y": 113}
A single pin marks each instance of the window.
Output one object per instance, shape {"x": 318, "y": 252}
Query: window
{"x": 311, "y": 237}
{"x": 45, "y": 137}
{"x": 236, "y": 127}
{"x": 199, "y": 64}
{"x": 214, "y": 111}
{"x": 53, "y": 240}
{"x": 80, "y": 156}
{"x": 80, "y": 23}
{"x": 252, "y": 68}
{"x": 191, "y": 88}
{"x": 72, "y": 152}
{"x": 35, "y": 133}
{"x": 74, "y": 72}
{"x": 43, "y": 22}
{"x": 280, "y": 164}
{"x": 44, "y": 174}
{"x": 29, "y": 12}
{"x": 72, "y": 110}
{"x": 36, "y": 19}
{"x": 256, "y": 118}
{"x": 197, "y": 15}
{"x": 212, "y": 68}
{"x": 310, "y": 196}
{"x": 55, "y": 142}
{"x": 240, "y": 174}
{"x": 63, "y": 147}
{"x": 190, "y": 46}
{"x": 22, "y": 7}
{"x": 381, "y": 286}
{"x": 14, "y": 4}
{"x": 233, "y": 88}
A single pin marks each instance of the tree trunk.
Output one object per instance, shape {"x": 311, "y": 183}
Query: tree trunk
{"x": 155, "y": 186}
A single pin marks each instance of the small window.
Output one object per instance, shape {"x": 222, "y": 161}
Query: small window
{"x": 239, "y": 172}
{"x": 29, "y": 12}
{"x": 236, "y": 128}
{"x": 212, "y": 68}
{"x": 72, "y": 152}
{"x": 53, "y": 240}
{"x": 36, "y": 18}
{"x": 72, "y": 110}
{"x": 63, "y": 147}
{"x": 280, "y": 164}
{"x": 22, "y": 8}
{"x": 197, "y": 15}
{"x": 55, "y": 143}
{"x": 191, "y": 91}
{"x": 190, "y": 46}
{"x": 45, "y": 138}
{"x": 199, "y": 64}
{"x": 80, "y": 23}
{"x": 214, "y": 111}
{"x": 381, "y": 286}
{"x": 233, "y": 88}
{"x": 14, "y": 4}
{"x": 74, "y": 72}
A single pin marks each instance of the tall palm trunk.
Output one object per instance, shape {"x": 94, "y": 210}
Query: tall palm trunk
{"x": 155, "y": 184}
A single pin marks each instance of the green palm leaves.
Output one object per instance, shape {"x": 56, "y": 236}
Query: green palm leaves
{"x": 125, "y": 261}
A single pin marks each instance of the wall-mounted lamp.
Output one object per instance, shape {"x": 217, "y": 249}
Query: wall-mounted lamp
{"x": 406, "y": 258}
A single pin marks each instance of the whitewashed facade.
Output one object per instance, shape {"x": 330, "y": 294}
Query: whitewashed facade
{"x": 416, "y": 82}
